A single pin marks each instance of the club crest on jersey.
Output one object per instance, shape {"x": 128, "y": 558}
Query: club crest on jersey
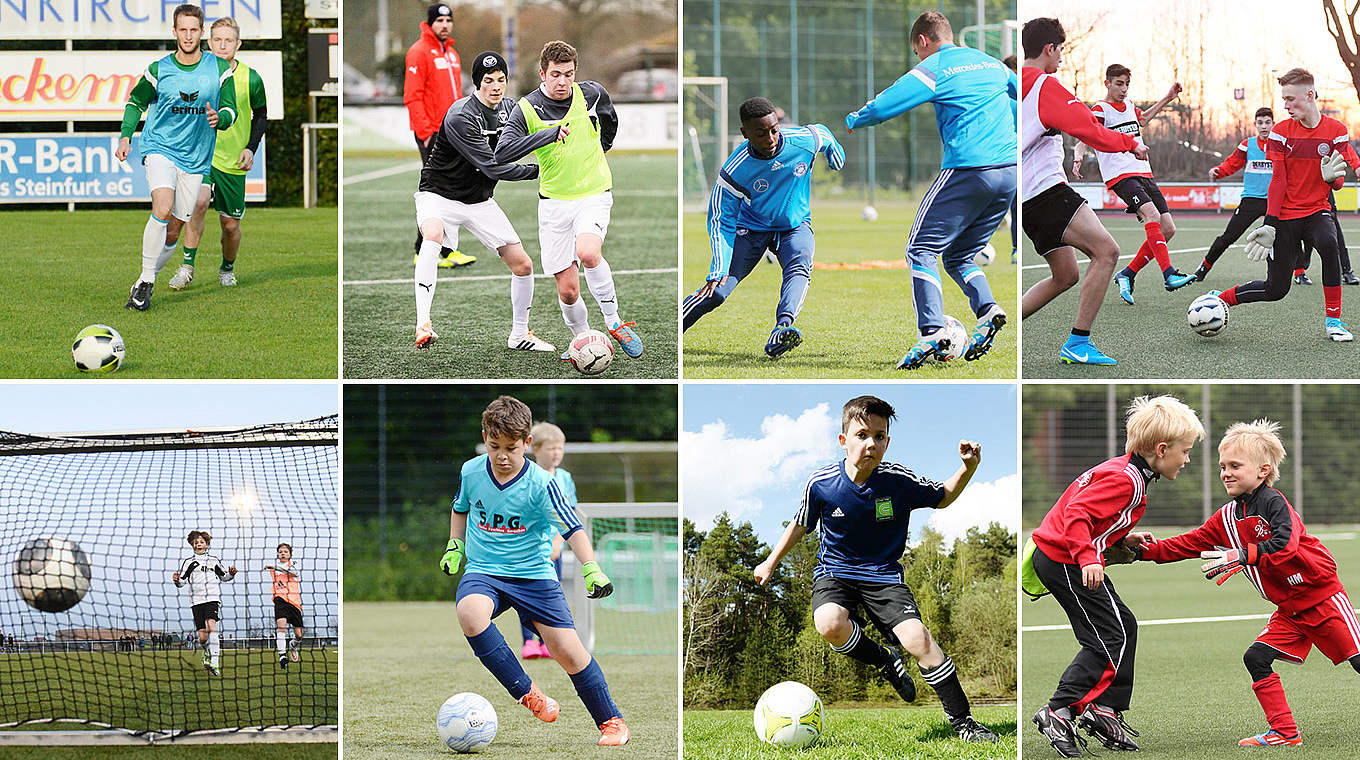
{"x": 883, "y": 508}
{"x": 1324, "y": 149}
{"x": 1258, "y": 526}
{"x": 800, "y": 169}
{"x": 761, "y": 185}
{"x": 1084, "y": 479}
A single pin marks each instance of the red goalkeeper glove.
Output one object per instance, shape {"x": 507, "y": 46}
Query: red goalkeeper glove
{"x": 1223, "y": 564}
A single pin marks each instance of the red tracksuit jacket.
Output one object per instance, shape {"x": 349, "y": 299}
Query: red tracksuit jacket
{"x": 1097, "y": 510}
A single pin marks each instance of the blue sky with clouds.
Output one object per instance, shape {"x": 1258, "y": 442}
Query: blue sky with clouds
{"x": 748, "y": 449}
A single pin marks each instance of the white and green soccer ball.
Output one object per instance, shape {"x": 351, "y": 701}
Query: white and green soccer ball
{"x": 51, "y": 574}
{"x": 466, "y": 722}
{"x": 98, "y": 348}
{"x": 789, "y": 714}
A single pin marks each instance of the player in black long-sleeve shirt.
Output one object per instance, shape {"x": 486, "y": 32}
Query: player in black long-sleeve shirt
{"x": 456, "y": 185}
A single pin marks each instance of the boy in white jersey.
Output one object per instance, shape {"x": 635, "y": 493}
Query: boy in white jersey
{"x": 517, "y": 506}
{"x": 287, "y": 590}
{"x": 203, "y": 573}
{"x": 1130, "y": 178}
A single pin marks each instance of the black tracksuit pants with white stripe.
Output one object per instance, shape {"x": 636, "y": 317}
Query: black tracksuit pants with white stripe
{"x": 1102, "y": 671}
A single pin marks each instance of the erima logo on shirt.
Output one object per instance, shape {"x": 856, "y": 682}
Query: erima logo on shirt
{"x": 188, "y": 97}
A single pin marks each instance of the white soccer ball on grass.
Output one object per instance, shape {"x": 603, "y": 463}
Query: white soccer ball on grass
{"x": 466, "y": 722}
{"x": 789, "y": 714}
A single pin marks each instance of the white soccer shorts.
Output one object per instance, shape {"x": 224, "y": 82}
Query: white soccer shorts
{"x": 561, "y": 222}
{"x": 484, "y": 220}
{"x": 161, "y": 172}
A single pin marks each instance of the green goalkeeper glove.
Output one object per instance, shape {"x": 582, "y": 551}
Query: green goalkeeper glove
{"x": 597, "y": 583}
{"x": 453, "y": 557}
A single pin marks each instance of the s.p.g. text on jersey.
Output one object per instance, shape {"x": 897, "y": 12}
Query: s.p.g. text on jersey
{"x": 863, "y": 529}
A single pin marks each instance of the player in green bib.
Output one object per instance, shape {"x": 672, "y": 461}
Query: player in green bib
{"x": 569, "y": 126}
{"x": 186, "y": 105}
{"x": 225, "y": 186}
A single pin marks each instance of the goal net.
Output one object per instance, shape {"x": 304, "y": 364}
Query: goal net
{"x": 706, "y": 134}
{"x": 94, "y": 631}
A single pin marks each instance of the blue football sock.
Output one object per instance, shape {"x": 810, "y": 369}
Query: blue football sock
{"x": 594, "y": 692}
{"x": 491, "y": 649}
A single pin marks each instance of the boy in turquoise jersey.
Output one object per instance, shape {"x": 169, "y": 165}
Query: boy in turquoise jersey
{"x": 185, "y": 104}
{"x": 225, "y": 188}
{"x": 502, "y": 520}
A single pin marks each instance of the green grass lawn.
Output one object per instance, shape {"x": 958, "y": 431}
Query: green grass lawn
{"x": 169, "y": 690}
{"x": 471, "y": 310}
{"x": 1151, "y": 338}
{"x": 916, "y": 732}
{"x": 855, "y": 323}
{"x": 403, "y": 659}
{"x": 1192, "y": 696}
{"x": 64, "y": 270}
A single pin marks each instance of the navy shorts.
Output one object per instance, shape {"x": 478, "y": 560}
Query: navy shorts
{"x": 533, "y": 599}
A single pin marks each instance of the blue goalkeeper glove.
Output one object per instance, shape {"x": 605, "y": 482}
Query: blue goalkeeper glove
{"x": 1223, "y": 564}
{"x": 453, "y": 557}
{"x": 597, "y": 583}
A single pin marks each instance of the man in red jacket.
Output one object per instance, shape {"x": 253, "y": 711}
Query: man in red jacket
{"x": 1259, "y": 534}
{"x": 434, "y": 79}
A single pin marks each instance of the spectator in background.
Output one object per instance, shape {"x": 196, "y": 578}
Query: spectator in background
{"x": 434, "y": 79}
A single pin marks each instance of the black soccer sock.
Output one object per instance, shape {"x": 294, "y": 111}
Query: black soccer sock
{"x": 862, "y": 648}
{"x": 1081, "y": 333}
{"x": 944, "y": 679}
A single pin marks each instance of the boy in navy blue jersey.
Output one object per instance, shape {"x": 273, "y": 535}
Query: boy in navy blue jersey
{"x": 761, "y": 202}
{"x": 862, "y": 505}
{"x": 503, "y": 517}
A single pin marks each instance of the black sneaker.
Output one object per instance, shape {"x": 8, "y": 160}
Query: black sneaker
{"x": 1349, "y": 278}
{"x": 1201, "y": 272}
{"x": 283, "y": 662}
{"x": 1108, "y": 727}
{"x": 1060, "y": 733}
{"x": 1302, "y": 279}
{"x": 140, "y": 296}
{"x": 970, "y": 730}
{"x": 896, "y": 673}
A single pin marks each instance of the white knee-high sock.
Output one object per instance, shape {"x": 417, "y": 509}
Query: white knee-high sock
{"x": 600, "y": 279}
{"x": 279, "y": 641}
{"x": 427, "y": 267}
{"x": 521, "y": 299}
{"x": 214, "y": 646}
{"x": 575, "y": 315}
{"x": 167, "y": 251}
{"x": 153, "y": 240}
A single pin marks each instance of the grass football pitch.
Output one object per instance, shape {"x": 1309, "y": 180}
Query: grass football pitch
{"x": 403, "y": 659}
{"x": 153, "y": 685}
{"x": 858, "y": 319}
{"x": 65, "y": 270}
{"x": 1281, "y": 339}
{"x": 1192, "y": 697}
{"x": 916, "y": 732}
{"x": 471, "y": 310}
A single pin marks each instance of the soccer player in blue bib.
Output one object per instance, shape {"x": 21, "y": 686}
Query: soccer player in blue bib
{"x": 861, "y": 506}
{"x": 502, "y": 522}
{"x": 761, "y": 202}
{"x": 974, "y": 96}
{"x": 186, "y": 105}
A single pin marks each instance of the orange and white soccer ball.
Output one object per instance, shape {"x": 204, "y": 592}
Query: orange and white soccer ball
{"x": 591, "y": 352}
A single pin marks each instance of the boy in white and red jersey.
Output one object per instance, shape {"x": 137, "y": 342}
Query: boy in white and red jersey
{"x": 1130, "y": 178}
{"x": 1067, "y": 554}
{"x": 1057, "y": 220}
{"x": 287, "y": 590}
{"x": 1308, "y": 154}
{"x": 1260, "y": 534}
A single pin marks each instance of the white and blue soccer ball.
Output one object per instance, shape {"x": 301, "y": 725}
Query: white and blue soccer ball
{"x": 958, "y": 337}
{"x": 466, "y": 722}
{"x": 591, "y": 352}
{"x": 985, "y": 256}
{"x": 1208, "y": 315}
{"x": 789, "y": 714}
{"x": 98, "y": 348}
{"x": 51, "y": 574}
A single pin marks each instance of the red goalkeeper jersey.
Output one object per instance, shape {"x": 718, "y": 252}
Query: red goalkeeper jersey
{"x": 1097, "y": 510}
{"x": 1296, "y": 153}
{"x": 1286, "y": 564}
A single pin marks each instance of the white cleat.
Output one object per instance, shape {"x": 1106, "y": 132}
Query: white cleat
{"x": 1336, "y": 330}
{"x": 226, "y": 279}
{"x": 183, "y": 276}
{"x": 530, "y": 342}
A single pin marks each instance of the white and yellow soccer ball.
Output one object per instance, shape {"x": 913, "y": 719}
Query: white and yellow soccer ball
{"x": 51, "y": 573}
{"x": 466, "y": 722}
{"x": 98, "y": 348}
{"x": 985, "y": 256}
{"x": 1208, "y": 315}
{"x": 789, "y": 714}
{"x": 591, "y": 352}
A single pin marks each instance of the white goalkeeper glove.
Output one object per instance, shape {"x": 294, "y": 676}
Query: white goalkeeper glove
{"x": 1333, "y": 166}
{"x": 1261, "y": 243}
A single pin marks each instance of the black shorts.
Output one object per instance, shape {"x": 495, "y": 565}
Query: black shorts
{"x": 886, "y": 604}
{"x": 1135, "y": 191}
{"x": 205, "y": 612}
{"x": 285, "y": 609}
{"x": 1047, "y": 215}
